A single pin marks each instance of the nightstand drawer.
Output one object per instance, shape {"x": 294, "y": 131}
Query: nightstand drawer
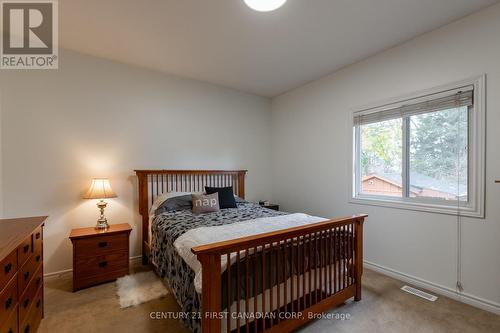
{"x": 92, "y": 280}
{"x": 8, "y": 267}
{"x": 91, "y": 247}
{"x": 102, "y": 264}
{"x": 8, "y": 300}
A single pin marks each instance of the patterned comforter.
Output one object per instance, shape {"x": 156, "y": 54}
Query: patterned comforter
{"x": 167, "y": 227}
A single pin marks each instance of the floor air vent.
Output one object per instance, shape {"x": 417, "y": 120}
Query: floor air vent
{"x": 419, "y": 293}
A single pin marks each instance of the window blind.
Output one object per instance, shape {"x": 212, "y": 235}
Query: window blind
{"x": 431, "y": 103}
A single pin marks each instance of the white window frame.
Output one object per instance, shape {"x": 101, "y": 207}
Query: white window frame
{"x": 476, "y": 187}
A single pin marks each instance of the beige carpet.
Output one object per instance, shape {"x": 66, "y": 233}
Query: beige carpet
{"x": 384, "y": 309}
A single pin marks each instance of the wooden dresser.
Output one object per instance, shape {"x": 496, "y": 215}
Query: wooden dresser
{"x": 21, "y": 274}
{"x": 99, "y": 255}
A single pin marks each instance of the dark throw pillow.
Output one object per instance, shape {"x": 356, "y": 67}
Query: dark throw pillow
{"x": 226, "y": 196}
{"x": 205, "y": 203}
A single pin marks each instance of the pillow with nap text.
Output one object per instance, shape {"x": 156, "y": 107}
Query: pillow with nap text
{"x": 205, "y": 203}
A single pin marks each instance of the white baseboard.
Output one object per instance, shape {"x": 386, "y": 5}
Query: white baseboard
{"x": 57, "y": 274}
{"x": 135, "y": 258}
{"x": 65, "y": 271}
{"x": 438, "y": 289}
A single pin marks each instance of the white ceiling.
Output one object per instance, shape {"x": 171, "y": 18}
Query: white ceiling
{"x": 226, "y": 43}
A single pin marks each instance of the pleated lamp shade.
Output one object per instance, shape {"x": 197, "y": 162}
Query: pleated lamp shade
{"x": 100, "y": 189}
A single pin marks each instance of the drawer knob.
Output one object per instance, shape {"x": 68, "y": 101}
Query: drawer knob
{"x": 26, "y": 302}
{"x": 38, "y": 304}
{"x": 103, "y": 244}
{"x": 37, "y": 282}
{"x": 8, "y": 303}
{"x": 7, "y": 268}
{"x": 103, "y": 264}
{"x": 26, "y": 275}
{"x": 37, "y": 258}
{"x": 26, "y": 248}
{"x": 27, "y": 329}
{"x": 10, "y": 330}
{"x": 37, "y": 235}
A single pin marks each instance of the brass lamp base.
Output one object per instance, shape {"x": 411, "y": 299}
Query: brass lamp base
{"x": 102, "y": 225}
{"x": 102, "y": 222}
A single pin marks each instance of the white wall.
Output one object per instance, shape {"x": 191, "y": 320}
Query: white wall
{"x": 311, "y": 130}
{"x": 94, "y": 117}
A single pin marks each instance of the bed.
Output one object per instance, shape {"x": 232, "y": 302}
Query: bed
{"x": 247, "y": 269}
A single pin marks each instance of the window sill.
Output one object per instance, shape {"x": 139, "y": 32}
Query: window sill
{"x": 419, "y": 206}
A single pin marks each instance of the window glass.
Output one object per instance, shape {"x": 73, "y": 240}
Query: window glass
{"x": 438, "y": 154}
{"x": 381, "y": 158}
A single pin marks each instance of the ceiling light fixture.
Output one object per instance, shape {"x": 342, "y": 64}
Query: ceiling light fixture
{"x": 264, "y": 5}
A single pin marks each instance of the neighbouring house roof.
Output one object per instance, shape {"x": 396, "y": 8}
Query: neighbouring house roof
{"x": 395, "y": 182}
{"x": 420, "y": 181}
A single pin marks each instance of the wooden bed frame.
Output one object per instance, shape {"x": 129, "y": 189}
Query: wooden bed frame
{"x": 295, "y": 288}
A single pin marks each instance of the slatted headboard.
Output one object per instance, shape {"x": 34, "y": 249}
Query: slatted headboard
{"x": 153, "y": 183}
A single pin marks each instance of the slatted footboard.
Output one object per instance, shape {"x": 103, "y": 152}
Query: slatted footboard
{"x": 275, "y": 282}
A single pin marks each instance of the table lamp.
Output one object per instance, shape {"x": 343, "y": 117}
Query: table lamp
{"x": 100, "y": 189}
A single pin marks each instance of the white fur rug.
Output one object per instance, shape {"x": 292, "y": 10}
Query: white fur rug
{"x": 139, "y": 288}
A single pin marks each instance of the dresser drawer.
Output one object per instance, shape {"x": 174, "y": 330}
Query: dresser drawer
{"x": 35, "y": 314}
{"x": 26, "y": 273}
{"x": 37, "y": 254}
{"x": 10, "y": 326}
{"x": 91, "y": 247}
{"x": 21, "y": 274}
{"x": 8, "y": 267}
{"x": 102, "y": 265}
{"x": 24, "y": 250}
{"x": 37, "y": 240}
{"x": 8, "y": 300}
{"x": 27, "y": 299}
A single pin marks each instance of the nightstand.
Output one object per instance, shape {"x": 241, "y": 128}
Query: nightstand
{"x": 99, "y": 255}
{"x": 272, "y": 206}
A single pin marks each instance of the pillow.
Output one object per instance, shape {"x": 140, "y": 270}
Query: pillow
{"x": 205, "y": 203}
{"x": 226, "y": 196}
{"x": 181, "y": 202}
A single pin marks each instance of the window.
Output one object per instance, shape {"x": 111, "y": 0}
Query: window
{"x": 424, "y": 152}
